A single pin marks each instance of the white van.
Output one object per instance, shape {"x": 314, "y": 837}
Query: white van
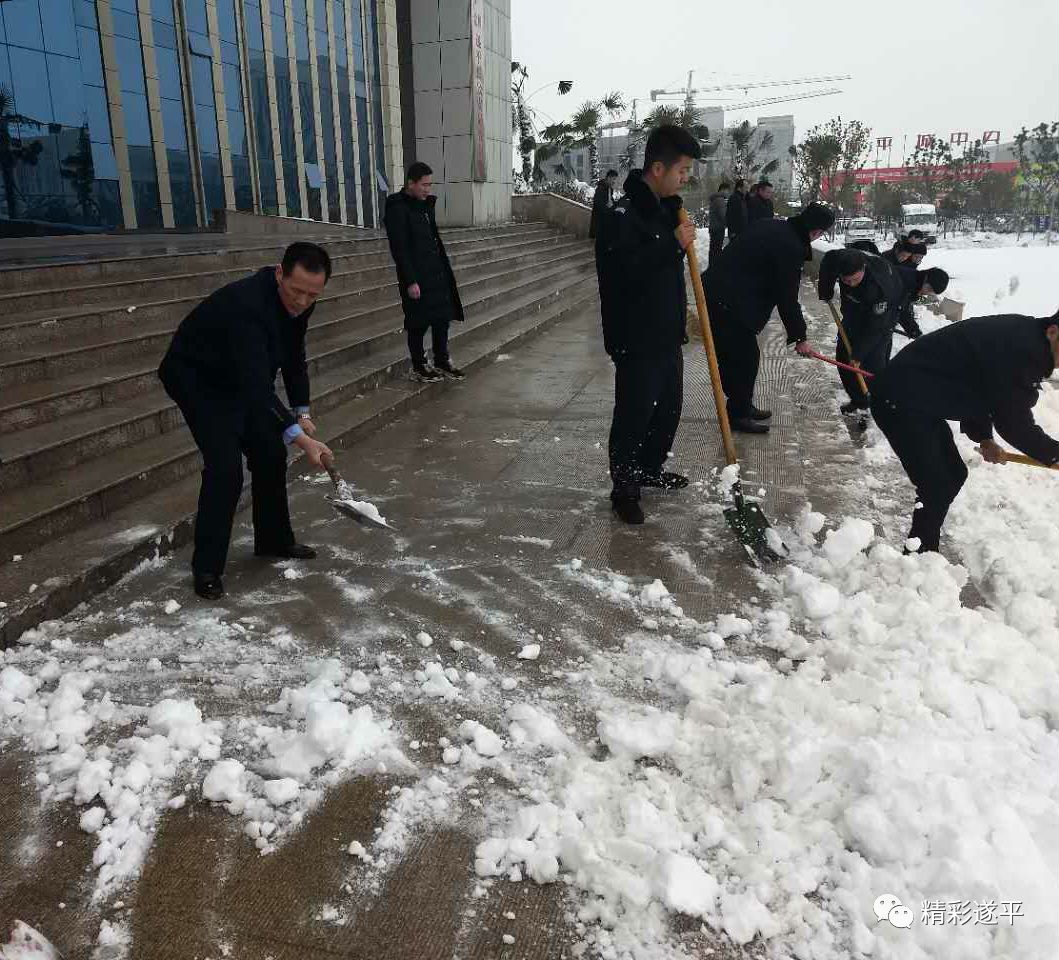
{"x": 860, "y": 228}
{"x": 919, "y": 216}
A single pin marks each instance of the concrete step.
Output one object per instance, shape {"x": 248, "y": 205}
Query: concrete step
{"x": 173, "y": 297}
{"x": 69, "y": 499}
{"x": 65, "y": 572}
{"x": 120, "y": 339}
{"x": 123, "y": 369}
{"x": 36, "y": 454}
{"x": 248, "y": 251}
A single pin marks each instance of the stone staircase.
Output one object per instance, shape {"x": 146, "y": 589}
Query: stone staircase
{"x": 97, "y": 470}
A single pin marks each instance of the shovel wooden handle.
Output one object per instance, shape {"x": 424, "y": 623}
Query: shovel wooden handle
{"x": 711, "y": 351}
{"x": 849, "y": 347}
{"x": 1011, "y": 457}
{"x": 332, "y": 470}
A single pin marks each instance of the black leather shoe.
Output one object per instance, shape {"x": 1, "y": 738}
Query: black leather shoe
{"x": 295, "y": 551}
{"x": 748, "y": 425}
{"x": 208, "y": 586}
{"x": 627, "y": 509}
{"x": 665, "y": 480}
{"x": 756, "y": 413}
{"x": 448, "y": 370}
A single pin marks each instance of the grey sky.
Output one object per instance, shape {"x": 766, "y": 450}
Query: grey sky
{"x": 968, "y": 65}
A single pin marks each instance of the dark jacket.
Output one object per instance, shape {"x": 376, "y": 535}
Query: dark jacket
{"x": 871, "y": 310}
{"x": 225, "y": 354}
{"x": 736, "y": 213}
{"x": 602, "y": 200}
{"x": 718, "y": 212}
{"x": 641, "y": 272}
{"x": 758, "y": 208}
{"x": 420, "y": 258}
{"x": 984, "y": 372}
{"x": 761, "y": 269}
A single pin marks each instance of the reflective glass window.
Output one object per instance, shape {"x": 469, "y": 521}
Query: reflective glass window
{"x": 206, "y": 124}
{"x": 229, "y": 53}
{"x": 90, "y": 55}
{"x": 98, "y": 114}
{"x": 244, "y": 190}
{"x": 173, "y": 127}
{"x": 202, "y": 80}
{"x": 298, "y": 11}
{"x": 255, "y": 38}
{"x": 195, "y": 16}
{"x": 168, "y": 73}
{"x": 279, "y": 40}
{"x": 137, "y": 124}
{"x": 164, "y": 35}
{"x": 226, "y": 20}
{"x": 312, "y": 175}
{"x": 163, "y": 10}
{"x": 233, "y": 88}
{"x": 130, "y": 64}
{"x": 237, "y": 133}
{"x": 5, "y": 71}
{"x": 212, "y": 183}
{"x": 128, "y": 6}
{"x": 29, "y": 81}
{"x": 126, "y": 25}
{"x": 22, "y": 22}
{"x": 104, "y": 161}
{"x": 57, "y": 18}
{"x": 200, "y": 45}
{"x": 85, "y": 14}
{"x": 67, "y": 91}
{"x": 276, "y": 6}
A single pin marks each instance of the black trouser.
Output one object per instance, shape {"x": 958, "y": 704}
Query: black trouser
{"x": 223, "y": 437}
{"x": 738, "y": 357}
{"x": 716, "y": 243}
{"x": 927, "y": 450}
{"x": 873, "y": 356}
{"x": 439, "y": 335}
{"x": 648, "y": 398}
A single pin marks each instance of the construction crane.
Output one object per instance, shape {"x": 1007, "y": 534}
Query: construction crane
{"x": 746, "y": 105}
{"x": 688, "y": 93}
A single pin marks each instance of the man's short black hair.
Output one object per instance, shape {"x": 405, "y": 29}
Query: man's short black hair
{"x": 417, "y": 171}
{"x": 916, "y": 235}
{"x": 937, "y": 278}
{"x": 611, "y": 173}
{"x": 667, "y": 144}
{"x": 849, "y": 261}
{"x": 762, "y": 183}
{"x": 740, "y": 183}
{"x": 723, "y": 185}
{"x": 308, "y": 256}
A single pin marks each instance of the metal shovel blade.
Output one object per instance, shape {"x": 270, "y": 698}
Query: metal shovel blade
{"x": 25, "y": 943}
{"x": 752, "y": 527}
{"x": 354, "y": 511}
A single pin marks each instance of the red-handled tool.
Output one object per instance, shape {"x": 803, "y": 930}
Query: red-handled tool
{"x": 838, "y": 363}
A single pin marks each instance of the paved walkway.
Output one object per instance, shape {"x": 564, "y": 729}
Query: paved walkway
{"x": 492, "y": 488}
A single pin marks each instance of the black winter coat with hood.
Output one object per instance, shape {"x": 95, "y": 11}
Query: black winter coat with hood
{"x": 420, "y": 258}
{"x": 641, "y": 272}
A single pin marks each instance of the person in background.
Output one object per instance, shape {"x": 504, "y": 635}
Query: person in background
{"x": 759, "y": 271}
{"x": 735, "y": 218}
{"x": 220, "y": 369}
{"x": 984, "y": 372}
{"x": 873, "y": 294}
{"x": 640, "y": 252}
{"x": 429, "y": 294}
{"x": 602, "y": 200}
{"x": 759, "y": 203}
{"x": 718, "y": 216}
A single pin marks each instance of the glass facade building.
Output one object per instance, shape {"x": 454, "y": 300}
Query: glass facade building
{"x": 156, "y": 113}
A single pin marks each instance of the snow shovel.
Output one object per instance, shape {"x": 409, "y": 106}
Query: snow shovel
{"x": 849, "y": 349}
{"x": 745, "y": 516}
{"x": 25, "y": 943}
{"x": 345, "y": 503}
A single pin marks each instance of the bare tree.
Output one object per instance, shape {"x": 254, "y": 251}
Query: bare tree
{"x": 827, "y": 160}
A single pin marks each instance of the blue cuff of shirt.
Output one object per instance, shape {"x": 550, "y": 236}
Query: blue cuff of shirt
{"x": 292, "y": 433}
{"x": 300, "y": 410}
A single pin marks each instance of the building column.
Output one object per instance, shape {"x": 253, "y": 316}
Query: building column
{"x": 355, "y": 125}
{"x": 190, "y": 123}
{"x": 112, "y": 81}
{"x": 369, "y": 87}
{"x": 248, "y": 106}
{"x": 311, "y": 7}
{"x": 220, "y": 106}
{"x": 154, "y": 107}
{"x": 390, "y": 78}
{"x": 296, "y": 109}
{"x": 336, "y": 119}
{"x": 273, "y": 109}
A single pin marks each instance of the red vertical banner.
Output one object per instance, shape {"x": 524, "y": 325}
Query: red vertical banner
{"x": 478, "y": 154}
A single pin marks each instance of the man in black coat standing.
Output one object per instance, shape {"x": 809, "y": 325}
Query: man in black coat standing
{"x": 759, "y": 271}
{"x": 984, "y": 372}
{"x": 736, "y": 212}
{"x": 429, "y": 294}
{"x": 718, "y": 217}
{"x": 640, "y": 258}
{"x": 602, "y": 201}
{"x": 759, "y": 203}
{"x": 221, "y": 369}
